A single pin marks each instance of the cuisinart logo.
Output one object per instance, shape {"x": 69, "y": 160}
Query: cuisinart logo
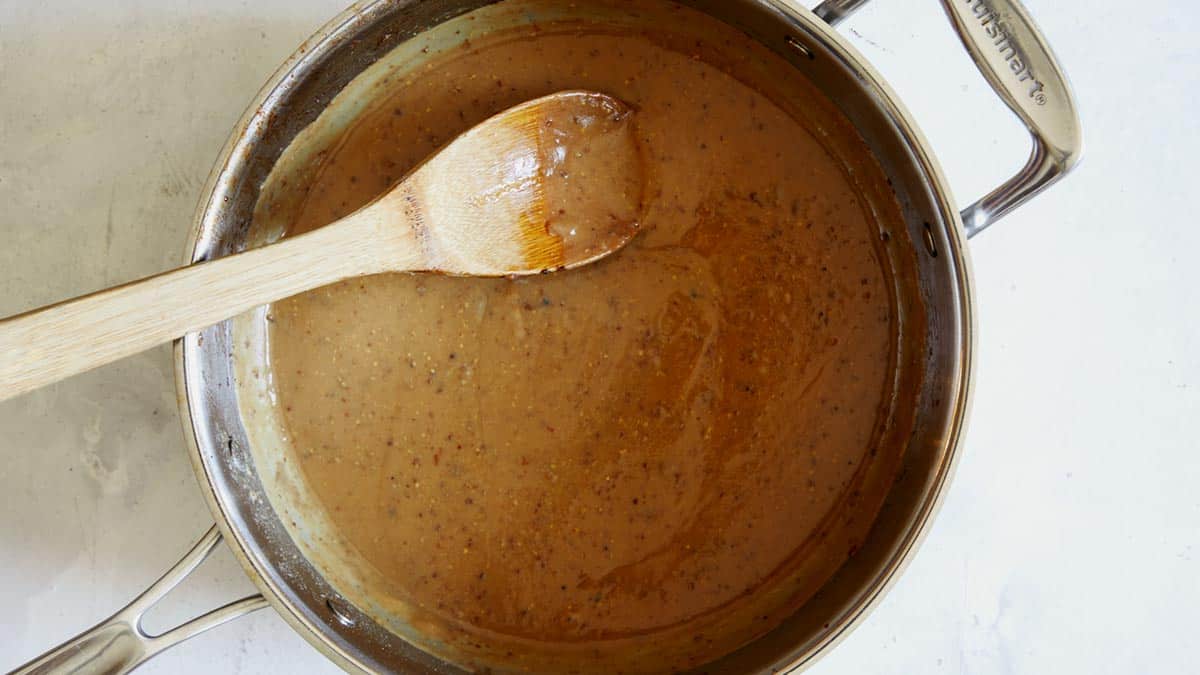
{"x": 989, "y": 19}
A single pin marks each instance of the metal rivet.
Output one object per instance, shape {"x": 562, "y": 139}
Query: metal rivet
{"x": 930, "y": 244}
{"x": 795, "y": 43}
{"x": 340, "y": 612}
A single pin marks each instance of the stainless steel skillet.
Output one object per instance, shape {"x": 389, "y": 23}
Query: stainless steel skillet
{"x": 1002, "y": 41}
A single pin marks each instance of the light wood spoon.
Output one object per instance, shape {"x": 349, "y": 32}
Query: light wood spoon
{"x": 551, "y": 184}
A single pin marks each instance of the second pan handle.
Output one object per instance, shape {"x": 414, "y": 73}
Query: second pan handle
{"x": 1013, "y": 55}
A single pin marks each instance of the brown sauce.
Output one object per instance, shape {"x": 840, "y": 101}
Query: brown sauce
{"x": 642, "y": 464}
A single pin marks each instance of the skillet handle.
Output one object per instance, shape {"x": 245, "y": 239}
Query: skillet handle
{"x": 1013, "y": 55}
{"x": 119, "y": 644}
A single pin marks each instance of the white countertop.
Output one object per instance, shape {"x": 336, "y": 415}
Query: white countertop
{"x": 1069, "y": 541}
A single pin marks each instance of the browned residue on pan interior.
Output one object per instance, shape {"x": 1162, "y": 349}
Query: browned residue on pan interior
{"x": 642, "y": 464}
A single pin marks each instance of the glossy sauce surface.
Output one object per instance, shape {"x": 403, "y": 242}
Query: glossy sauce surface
{"x": 641, "y": 464}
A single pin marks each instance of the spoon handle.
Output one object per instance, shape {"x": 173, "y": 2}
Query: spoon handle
{"x": 50, "y": 344}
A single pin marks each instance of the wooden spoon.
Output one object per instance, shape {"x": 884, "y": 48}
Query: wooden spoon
{"x": 551, "y": 184}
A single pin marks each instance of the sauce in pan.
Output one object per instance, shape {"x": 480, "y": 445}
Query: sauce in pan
{"x": 644, "y": 463}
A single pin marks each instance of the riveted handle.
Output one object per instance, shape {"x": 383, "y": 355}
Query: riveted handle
{"x": 119, "y": 644}
{"x": 1015, "y": 59}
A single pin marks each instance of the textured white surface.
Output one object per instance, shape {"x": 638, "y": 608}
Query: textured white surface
{"x": 1068, "y": 543}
